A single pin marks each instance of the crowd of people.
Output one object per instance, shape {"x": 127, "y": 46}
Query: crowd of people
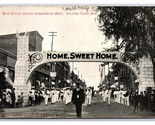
{"x": 56, "y": 95}
{"x": 140, "y": 101}
{"x": 66, "y": 95}
{"x": 8, "y": 99}
{"x": 50, "y": 96}
{"x": 143, "y": 100}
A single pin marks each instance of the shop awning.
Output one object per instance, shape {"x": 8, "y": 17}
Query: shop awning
{"x": 9, "y": 80}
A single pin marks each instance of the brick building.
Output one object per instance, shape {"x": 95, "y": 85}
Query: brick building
{"x": 8, "y": 57}
{"x": 8, "y": 54}
{"x": 9, "y": 42}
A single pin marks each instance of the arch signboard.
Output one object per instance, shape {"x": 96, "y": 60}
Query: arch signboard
{"x": 28, "y": 61}
{"x": 37, "y": 58}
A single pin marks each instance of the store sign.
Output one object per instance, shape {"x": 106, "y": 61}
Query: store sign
{"x": 53, "y": 74}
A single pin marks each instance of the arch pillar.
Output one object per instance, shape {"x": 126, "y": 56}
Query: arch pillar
{"x": 21, "y": 68}
{"x": 146, "y": 73}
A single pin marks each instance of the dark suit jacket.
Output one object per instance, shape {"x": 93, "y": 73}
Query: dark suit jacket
{"x": 78, "y": 96}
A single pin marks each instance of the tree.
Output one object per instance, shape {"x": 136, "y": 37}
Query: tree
{"x": 133, "y": 27}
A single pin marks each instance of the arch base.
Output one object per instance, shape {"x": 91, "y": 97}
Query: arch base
{"x": 25, "y": 88}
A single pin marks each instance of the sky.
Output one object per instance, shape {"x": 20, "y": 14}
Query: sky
{"x": 76, "y": 30}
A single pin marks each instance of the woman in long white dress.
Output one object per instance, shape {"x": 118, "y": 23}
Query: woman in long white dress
{"x": 67, "y": 96}
{"x": 108, "y": 93}
{"x": 115, "y": 96}
{"x": 88, "y": 96}
{"x": 57, "y": 95}
{"x": 103, "y": 95}
{"x": 46, "y": 97}
{"x": 53, "y": 96}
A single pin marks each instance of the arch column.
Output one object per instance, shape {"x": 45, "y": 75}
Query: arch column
{"x": 146, "y": 73}
{"x": 21, "y": 68}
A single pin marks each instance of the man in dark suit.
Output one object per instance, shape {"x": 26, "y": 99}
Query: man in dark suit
{"x": 78, "y": 99}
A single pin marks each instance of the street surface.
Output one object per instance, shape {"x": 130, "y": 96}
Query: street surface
{"x": 97, "y": 110}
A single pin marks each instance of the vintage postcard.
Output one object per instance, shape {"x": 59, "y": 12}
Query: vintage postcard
{"x": 77, "y": 62}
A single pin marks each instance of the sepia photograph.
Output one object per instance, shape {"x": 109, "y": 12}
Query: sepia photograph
{"x": 77, "y": 62}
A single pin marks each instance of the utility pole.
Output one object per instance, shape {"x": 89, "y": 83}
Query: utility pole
{"x": 78, "y": 75}
{"x": 73, "y": 66}
{"x": 52, "y": 64}
{"x": 52, "y": 34}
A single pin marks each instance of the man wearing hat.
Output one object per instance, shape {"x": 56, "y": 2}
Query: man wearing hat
{"x": 78, "y": 98}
